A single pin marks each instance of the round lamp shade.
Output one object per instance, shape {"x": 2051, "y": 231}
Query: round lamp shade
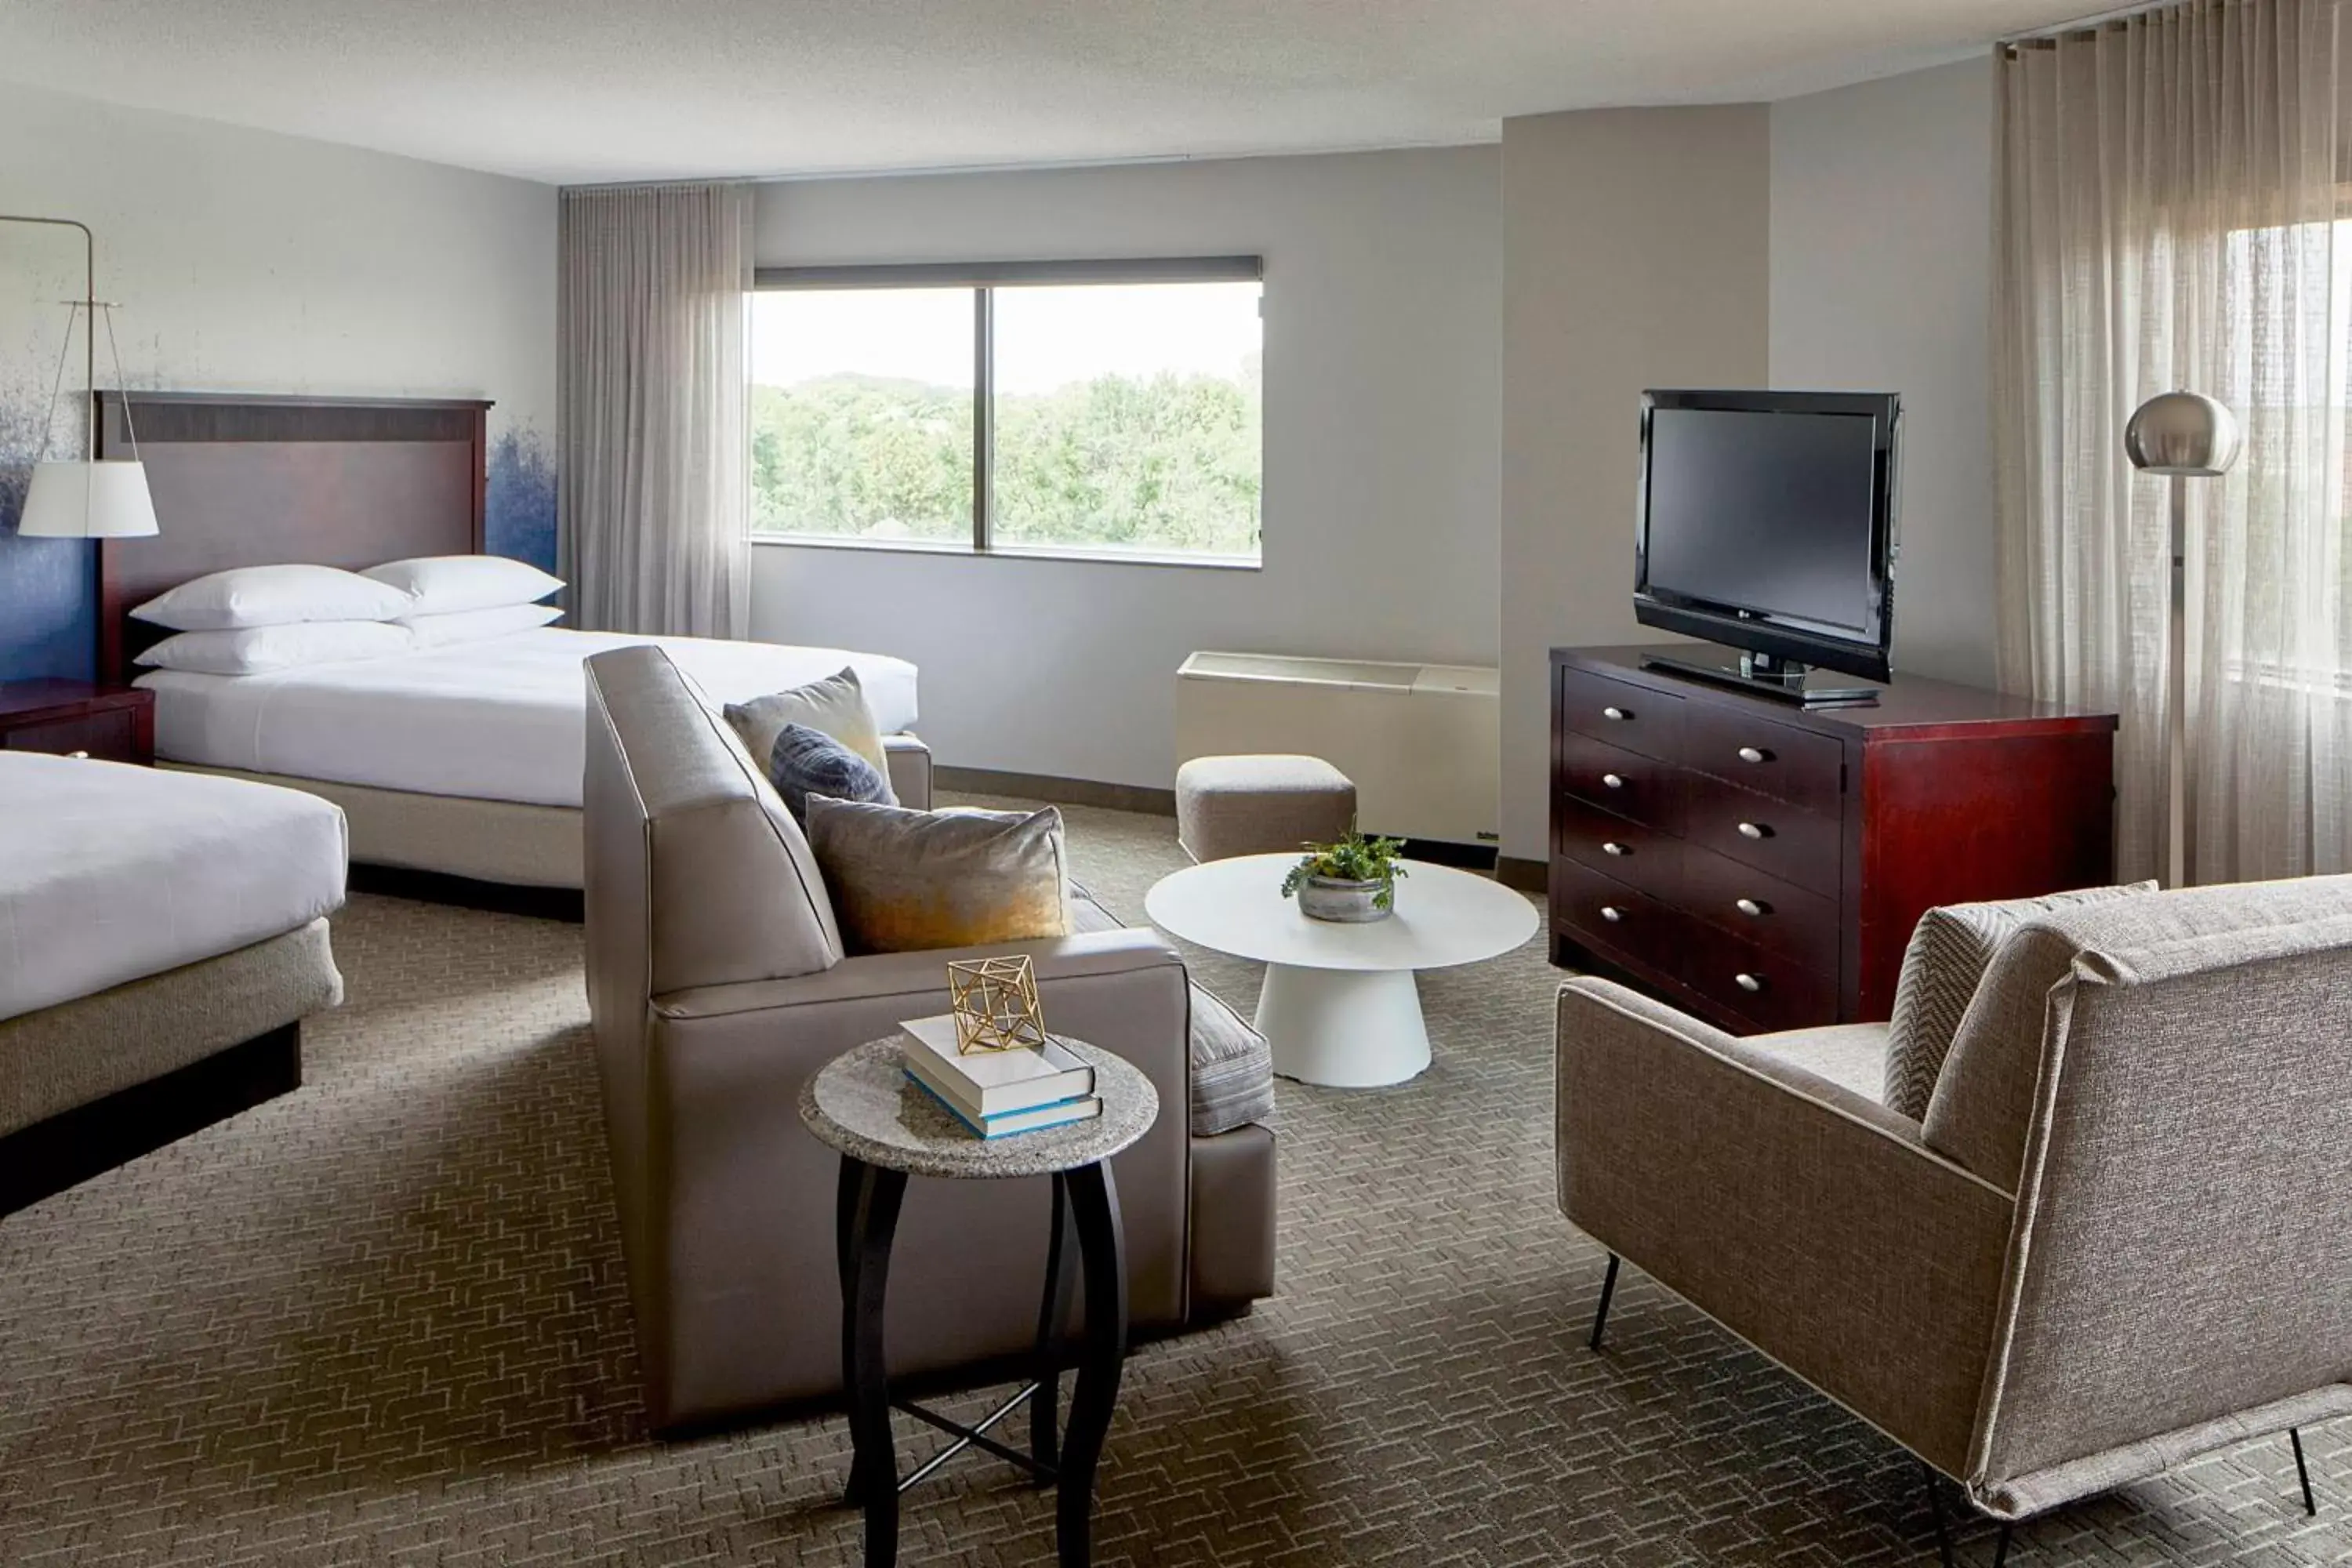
{"x": 106, "y": 499}
{"x": 2182, "y": 433}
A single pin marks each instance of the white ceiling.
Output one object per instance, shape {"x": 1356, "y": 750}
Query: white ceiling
{"x": 584, "y": 91}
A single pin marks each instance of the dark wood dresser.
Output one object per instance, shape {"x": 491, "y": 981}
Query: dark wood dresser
{"x": 79, "y": 719}
{"x": 1761, "y": 865}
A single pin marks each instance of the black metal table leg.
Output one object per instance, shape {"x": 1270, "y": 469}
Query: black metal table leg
{"x": 845, "y": 1231}
{"x": 1053, "y": 1317}
{"x": 865, "y": 1257}
{"x": 1094, "y": 1203}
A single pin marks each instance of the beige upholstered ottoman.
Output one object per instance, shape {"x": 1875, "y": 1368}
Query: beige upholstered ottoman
{"x": 1260, "y": 805}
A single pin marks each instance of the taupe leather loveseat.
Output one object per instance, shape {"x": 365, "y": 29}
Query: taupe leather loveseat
{"x": 718, "y": 985}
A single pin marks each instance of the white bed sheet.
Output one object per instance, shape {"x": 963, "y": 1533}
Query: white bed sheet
{"x": 505, "y": 719}
{"x": 109, "y": 872}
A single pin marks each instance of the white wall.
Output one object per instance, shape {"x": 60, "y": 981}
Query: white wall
{"x": 1634, "y": 256}
{"x": 1881, "y": 281}
{"x": 1382, "y": 382}
{"x": 249, "y": 262}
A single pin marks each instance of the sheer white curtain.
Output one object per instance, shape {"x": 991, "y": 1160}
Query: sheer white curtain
{"x": 2168, "y": 202}
{"x": 655, "y": 485}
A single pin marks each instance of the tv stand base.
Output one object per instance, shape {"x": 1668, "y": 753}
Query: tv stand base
{"x": 1782, "y": 681}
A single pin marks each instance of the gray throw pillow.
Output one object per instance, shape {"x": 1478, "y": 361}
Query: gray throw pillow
{"x": 805, "y": 762}
{"x": 1950, "y": 950}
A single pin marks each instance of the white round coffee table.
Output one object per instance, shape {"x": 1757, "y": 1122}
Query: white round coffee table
{"x": 1340, "y": 1006}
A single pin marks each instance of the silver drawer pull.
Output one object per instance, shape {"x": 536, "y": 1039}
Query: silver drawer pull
{"x": 1754, "y": 830}
{"x": 1750, "y": 754}
{"x": 1614, "y": 713}
{"x": 1612, "y": 913}
{"x": 1748, "y": 907}
{"x": 1748, "y": 982}
{"x": 1610, "y": 847}
{"x": 1613, "y": 781}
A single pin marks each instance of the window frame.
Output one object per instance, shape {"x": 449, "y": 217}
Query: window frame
{"x": 983, "y": 278}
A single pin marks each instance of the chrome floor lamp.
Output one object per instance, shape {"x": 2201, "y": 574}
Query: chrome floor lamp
{"x": 2181, "y": 436}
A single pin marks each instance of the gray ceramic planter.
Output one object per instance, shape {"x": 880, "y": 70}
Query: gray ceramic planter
{"x": 1344, "y": 902}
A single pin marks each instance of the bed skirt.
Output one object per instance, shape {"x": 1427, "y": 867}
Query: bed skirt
{"x": 90, "y": 1084}
{"x": 457, "y": 835}
{"x": 500, "y": 841}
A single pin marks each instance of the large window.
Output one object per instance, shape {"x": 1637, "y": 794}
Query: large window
{"x": 1100, "y": 409}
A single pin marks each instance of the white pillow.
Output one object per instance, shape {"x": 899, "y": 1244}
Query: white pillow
{"x": 478, "y": 626}
{"x": 258, "y": 650}
{"x": 442, "y": 584}
{"x": 274, "y": 597}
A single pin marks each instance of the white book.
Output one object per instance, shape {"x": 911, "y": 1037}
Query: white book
{"x": 987, "y": 1084}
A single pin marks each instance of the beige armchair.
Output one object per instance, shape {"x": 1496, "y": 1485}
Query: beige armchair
{"x": 718, "y": 985}
{"x": 2121, "y": 1237}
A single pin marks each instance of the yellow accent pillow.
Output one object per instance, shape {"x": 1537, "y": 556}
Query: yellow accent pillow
{"x": 913, "y": 881}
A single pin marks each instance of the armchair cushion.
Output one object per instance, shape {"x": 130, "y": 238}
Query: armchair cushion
{"x": 1950, "y": 950}
{"x": 1851, "y": 1055}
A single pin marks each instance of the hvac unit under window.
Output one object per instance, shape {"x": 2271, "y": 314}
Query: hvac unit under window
{"x": 1422, "y": 741}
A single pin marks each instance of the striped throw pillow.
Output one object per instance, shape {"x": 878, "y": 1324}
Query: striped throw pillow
{"x": 1950, "y": 950}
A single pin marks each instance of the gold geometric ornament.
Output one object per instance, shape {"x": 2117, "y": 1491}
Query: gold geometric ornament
{"x": 994, "y": 1001}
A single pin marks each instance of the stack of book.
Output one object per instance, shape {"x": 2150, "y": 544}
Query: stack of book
{"x": 997, "y": 1093}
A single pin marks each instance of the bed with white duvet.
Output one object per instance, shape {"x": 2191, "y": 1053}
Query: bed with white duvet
{"x": 501, "y": 719}
{"x": 162, "y": 937}
{"x": 110, "y": 873}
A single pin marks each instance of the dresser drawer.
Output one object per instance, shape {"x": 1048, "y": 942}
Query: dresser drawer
{"x": 1787, "y": 841}
{"x": 1630, "y": 784}
{"x": 1615, "y": 920}
{"x": 1765, "y": 910}
{"x": 1769, "y": 990}
{"x": 1622, "y": 713}
{"x": 1645, "y": 857}
{"x": 1779, "y": 759}
{"x": 111, "y": 736}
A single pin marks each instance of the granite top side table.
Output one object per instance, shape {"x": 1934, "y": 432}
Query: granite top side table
{"x": 863, "y": 1105}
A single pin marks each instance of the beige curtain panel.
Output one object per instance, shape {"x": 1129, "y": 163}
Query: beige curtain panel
{"x": 2169, "y": 215}
{"x": 650, "y": 381}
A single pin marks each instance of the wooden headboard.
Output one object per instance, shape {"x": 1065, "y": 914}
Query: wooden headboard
{"x": 248, "y": 481}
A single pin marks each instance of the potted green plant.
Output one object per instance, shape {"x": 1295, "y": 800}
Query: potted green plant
{"x": 1351, "y": 882}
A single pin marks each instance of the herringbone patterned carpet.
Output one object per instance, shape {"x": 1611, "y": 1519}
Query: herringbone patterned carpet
{"x": 383, "y": 1320}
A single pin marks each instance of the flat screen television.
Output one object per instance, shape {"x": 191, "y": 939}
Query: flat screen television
{"x": 1768, "y": 525}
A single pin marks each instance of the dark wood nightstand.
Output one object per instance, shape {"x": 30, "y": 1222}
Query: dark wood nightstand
{"x": 79, "y": 719}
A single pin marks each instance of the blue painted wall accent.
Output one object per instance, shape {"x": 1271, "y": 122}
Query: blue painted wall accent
{"x": 48, "y": 587}
{"x": 521, "y": 520}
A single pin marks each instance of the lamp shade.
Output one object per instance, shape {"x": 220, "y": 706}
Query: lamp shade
{"x": 104, "y": 500}
{"x": 2182, "y": 433}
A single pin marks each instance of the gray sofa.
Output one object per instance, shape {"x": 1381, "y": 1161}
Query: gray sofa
{"x": 2120, "y": 1238}
{"x": 717, "y": 983}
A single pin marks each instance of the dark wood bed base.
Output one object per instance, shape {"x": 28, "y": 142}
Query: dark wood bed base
{"x": 70, "y": 1148}
{"x": 244, "y": 480}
